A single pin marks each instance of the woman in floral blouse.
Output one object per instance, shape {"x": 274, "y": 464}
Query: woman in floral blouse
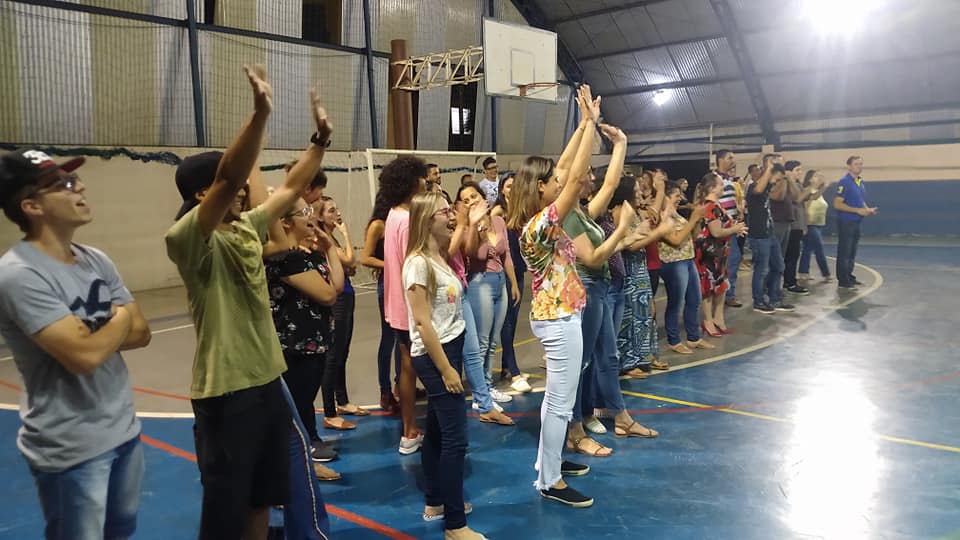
{"x": 302, "y": 287}
{"x": 538, "y": 208}
{"x": 680, "y": 276}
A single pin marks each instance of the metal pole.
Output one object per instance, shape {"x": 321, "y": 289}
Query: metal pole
{"x": 493, "y": 100}
{"x": 195, "y": 73}
{"x": 374, "y": 133}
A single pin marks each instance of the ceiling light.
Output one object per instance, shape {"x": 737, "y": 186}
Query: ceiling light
{"x": 660, "y": 97}
{"x": 838, "y": 16}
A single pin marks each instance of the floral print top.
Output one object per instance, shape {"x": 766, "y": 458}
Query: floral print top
{"x": 303, "y": 326}
{"x": 551, "y": 257}
{"x": 684, "y": 251}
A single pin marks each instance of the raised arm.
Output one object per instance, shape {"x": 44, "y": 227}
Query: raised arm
{"x": 307, "y": 166}
{"x": 761, "y": 184}
{"x": 569, "y": 196}
{"x": 594, "y": 256}
{"x": 570, "y": 150}
{"x": 345, "y": 252}
{"x": 239, "y": 158}
{"x": 677, "y": 237}
{"x": 598, "y": 205}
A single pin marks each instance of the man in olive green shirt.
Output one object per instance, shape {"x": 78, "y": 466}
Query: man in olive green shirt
{"x": 242, "y": 429}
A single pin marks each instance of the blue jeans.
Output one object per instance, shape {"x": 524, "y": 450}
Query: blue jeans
{"x": 592, "y": 317}
{"x": 445, "y": 437}
{"x": 487, "y": 293}
{"x": 813, "y": 245}
{"x": 606, "y": 358}
{"x": 96, "y": 499}
{"x": 508, "y": 360}
{"x": 387, "y": 345}
{"x": 849, "y": 237}
{"x": 473, "y": 361}
{"x": 683, "y": 289}
{"x": 562, "y": 341}
{"x": 733, "y": 266}
{"x": 767, "y": 270}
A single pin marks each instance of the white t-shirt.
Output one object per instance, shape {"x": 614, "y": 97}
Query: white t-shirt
{"x": 446, "y": 310}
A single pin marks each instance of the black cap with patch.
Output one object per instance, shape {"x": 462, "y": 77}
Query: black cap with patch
{"x": 195, "y": 174}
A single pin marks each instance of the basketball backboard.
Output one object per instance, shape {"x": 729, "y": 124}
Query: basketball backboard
{"x": 519, "y": 61}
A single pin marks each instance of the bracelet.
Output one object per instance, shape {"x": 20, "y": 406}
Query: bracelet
{"x": 315, "y": 139}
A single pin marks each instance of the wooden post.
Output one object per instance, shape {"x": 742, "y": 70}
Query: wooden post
{"x": 401, "y": 102}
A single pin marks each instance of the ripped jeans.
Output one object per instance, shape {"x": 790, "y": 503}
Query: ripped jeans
{"x": 562, "y": 339}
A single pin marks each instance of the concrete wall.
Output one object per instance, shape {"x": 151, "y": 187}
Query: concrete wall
{"x": 134, "y": 203}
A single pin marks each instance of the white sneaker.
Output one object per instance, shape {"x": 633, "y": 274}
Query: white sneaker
{"x": 496, "y": 406}
{"x": 803, "y": 277}
{"x": 410, "y": 446}
{"x": 521, "y": 385}
{"x": 499, "y": 396}
{"x": 595, "y": 426}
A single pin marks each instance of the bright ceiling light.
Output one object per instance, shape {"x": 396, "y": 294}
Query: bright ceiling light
{"x": 838, "y": 16}
{"x": 660, "y": 97}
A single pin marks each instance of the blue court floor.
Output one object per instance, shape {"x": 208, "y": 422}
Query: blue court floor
{"x": 847, "y": 430}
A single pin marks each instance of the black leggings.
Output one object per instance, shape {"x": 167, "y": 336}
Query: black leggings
{"x": 654, "y": 280}
{"x": 303, "y": 376}
{"x": 335, "y": 377}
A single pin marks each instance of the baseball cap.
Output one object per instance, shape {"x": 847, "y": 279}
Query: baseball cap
{"x": 195, "y": 174}
{"x": 25, "y": 168}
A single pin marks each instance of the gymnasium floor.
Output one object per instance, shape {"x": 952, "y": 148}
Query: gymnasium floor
{"x": 838, "y": 421}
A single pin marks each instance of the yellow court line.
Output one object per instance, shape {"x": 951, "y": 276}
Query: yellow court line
{"x": 888, "y": 438}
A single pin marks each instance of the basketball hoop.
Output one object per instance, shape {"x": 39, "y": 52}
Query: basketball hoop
{"x": 525, "y": 87}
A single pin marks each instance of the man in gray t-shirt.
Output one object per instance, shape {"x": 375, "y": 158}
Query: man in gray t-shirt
{"x": 66, "y": 314}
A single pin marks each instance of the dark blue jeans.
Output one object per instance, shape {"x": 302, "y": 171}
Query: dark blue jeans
{"x": 849, "y": 237}
{"x": 509, "y": 331}
{"x": 591, "y": 326}
{"x": 813, "y": 246}
{"x": 683, "y": 291}
{"x": 387, "y": 345}
{"x": 445, "y": 437}
{"x": 767, "y": 270}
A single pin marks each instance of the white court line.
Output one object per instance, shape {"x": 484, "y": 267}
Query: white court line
{"x": 790, "y": 332}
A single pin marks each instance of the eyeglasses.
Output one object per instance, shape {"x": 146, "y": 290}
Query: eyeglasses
{"x": 305, "y": 212}
{"x": 68, "y": 182}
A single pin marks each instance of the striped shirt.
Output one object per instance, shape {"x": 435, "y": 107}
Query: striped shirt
{"x": 728, "y": 199}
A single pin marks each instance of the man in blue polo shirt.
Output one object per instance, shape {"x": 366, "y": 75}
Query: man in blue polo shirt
{"x": 851, "y": 206}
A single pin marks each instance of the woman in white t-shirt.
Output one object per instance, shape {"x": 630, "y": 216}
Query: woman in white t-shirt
{"x": 434, "y": 304}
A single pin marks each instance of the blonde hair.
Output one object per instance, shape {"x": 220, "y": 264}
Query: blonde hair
{"x": 525, "y": 193}
{"x": 422, "y": 209}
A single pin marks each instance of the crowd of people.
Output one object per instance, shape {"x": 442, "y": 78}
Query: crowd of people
{"x": 267, "y": 274}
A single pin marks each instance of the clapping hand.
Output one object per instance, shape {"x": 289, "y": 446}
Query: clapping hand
{"x": 614, "y": 134}
{"x": 324, "y": 127}
{"x": 262, "y": 92}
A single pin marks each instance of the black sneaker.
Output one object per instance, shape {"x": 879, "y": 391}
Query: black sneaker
{"x": 570, "y": 468}
{"x": 797, "y": 289}
{"x": 857, "y": 283}
{"x": 847, "y": 286}
{"x": 763, "y": 308}
{"x": 783, "y": 306}
{"x": 322, "y": 452}
{"x": 567, "y": 496}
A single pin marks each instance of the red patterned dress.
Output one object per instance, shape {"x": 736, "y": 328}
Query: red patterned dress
{"x": 711, "y": 252}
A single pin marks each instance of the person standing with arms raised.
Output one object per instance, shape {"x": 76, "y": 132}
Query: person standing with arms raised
{"x": 242, "y": 429}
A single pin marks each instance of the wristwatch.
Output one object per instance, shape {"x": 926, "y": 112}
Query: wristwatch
{"x": 315, "y": 139}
